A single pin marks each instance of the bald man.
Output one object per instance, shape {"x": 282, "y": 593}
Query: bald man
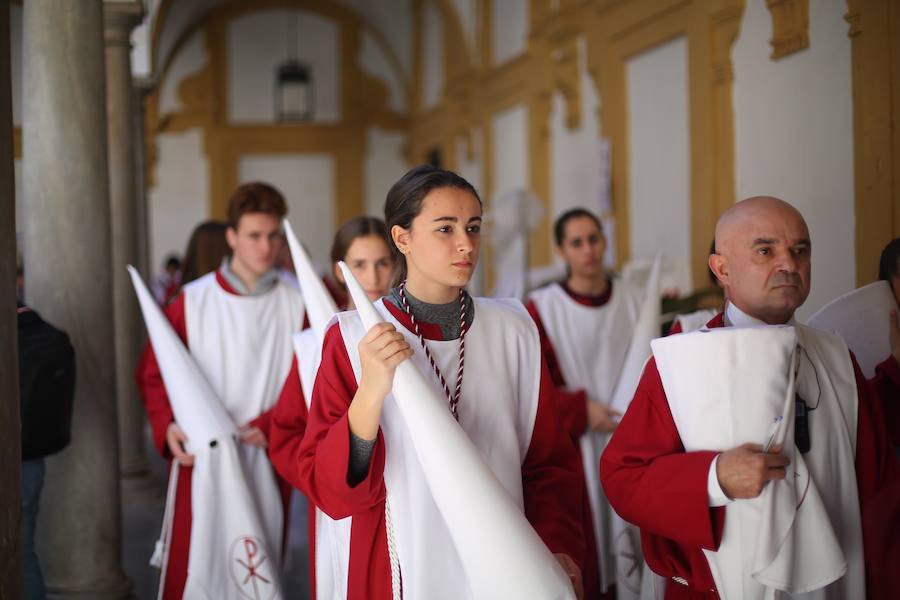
{"x": 679, "y": 499}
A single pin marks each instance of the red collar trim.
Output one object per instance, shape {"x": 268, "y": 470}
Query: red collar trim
{"x": 223, "y": 283}
{"x": 717, "y": 321}
{"x": 431, "y": 331}
{"x": 593, "y": 301}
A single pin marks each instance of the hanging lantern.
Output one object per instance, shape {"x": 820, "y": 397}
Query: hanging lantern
{"x": 293, "y": 92}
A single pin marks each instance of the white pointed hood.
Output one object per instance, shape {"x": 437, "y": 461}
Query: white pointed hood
{"x": 645, "y": 330}
{"x": 197, "y": 409}
{"x": 320, "y": 307}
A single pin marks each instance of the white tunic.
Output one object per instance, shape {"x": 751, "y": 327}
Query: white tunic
{"x": 242, "y": 344}
{"x": 497, "y": 411}
{"x": 591, "y": 344}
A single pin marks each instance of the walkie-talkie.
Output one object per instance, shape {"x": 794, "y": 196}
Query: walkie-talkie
{"x": 801, "y": 425}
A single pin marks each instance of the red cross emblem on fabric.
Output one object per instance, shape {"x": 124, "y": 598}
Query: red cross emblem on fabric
{"x": 251, "y": 570}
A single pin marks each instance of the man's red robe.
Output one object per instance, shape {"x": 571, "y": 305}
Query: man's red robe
{"x": 653, "y": 483}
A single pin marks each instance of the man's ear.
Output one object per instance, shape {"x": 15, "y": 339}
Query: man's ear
{"x": 401, "y": 238}
{"x": 231, "y": 237}
{"x": 718, "y": 264}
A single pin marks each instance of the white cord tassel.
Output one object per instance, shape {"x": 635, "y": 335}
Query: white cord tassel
{"x": 396, "y": 582}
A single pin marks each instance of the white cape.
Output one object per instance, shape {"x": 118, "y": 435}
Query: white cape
{"x": 726, "y": 387}
{"x": 234, "y": 549}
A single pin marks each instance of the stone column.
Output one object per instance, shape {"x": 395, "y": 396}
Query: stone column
{"x": 142, "y": 87}
{"x": 119, "y": 19}
{"x": 10, "y": 445}
{"x": 67, "y": 254}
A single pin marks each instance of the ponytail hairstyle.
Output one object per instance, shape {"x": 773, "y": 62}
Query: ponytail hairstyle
{"x": 404, "y": 203}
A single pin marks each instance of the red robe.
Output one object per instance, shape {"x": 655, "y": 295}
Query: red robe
{"x": 159, "y": 414}
{"x": 552, "y": 487}
{"x": 887, "y": 384}
{"x": 652, "y": 482}
{"x": 288, "y": 425}
{"x": 572, "y": 407}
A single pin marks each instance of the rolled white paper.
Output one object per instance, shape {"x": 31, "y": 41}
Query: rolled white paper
{"x": 645, "y": 330}
{"x": 502, "y": 555}
{"x": 320, "y": 306}
{"x": 197, "y": 409}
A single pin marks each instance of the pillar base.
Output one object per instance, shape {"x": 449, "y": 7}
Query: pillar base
{"x": 139, "y": 483}
{"x": 119, "y": 588}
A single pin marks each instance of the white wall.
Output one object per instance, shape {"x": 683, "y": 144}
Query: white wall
{"x": 140, "y": 40}
{"x": 472, "y": 169}
{"x": 577, "y": 158}
{"x": 433, "y": 56}
{"x": 384, "y": 165}
{"x": 467, "y": 11}
{"x": 509, "y": 29}
{"x": 794, "y": 135}
{"x": 393, "y": 18}
{"x": 20, "y": 197}
{"x": 180, "y": 199}
{"x": 373, "y": 61}
{"x": 659, "y": 152}
{"x": 510, "y": 130}
{"x": 307, "y": 183}
{"x": 257, "y": 44}
{"x": 16, "y": 58}
{"x": 190, "y": 59}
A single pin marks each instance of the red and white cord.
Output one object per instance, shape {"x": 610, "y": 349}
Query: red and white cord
{"x": 454, "y": 397}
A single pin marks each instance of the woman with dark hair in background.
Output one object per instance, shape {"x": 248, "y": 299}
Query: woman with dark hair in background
{"x": 206, "y": 248}
{"x": 363, "y": 243}
{"x": 585, "y": 324}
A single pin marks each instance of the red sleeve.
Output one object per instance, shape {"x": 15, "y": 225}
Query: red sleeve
{"x": 547, "y": 350}
{"x": 552, "y": 479}
{"x": 886, "y": 385}
{"x": 324, "y": 453}
{"x": 876, "y": 463}
{"x": 652, "y": 482}
{"x": 287, "y": 426}
{"x": 150, "y": 383}
{"x": 572, "y": 405}
{"x": 878, "y": 483}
